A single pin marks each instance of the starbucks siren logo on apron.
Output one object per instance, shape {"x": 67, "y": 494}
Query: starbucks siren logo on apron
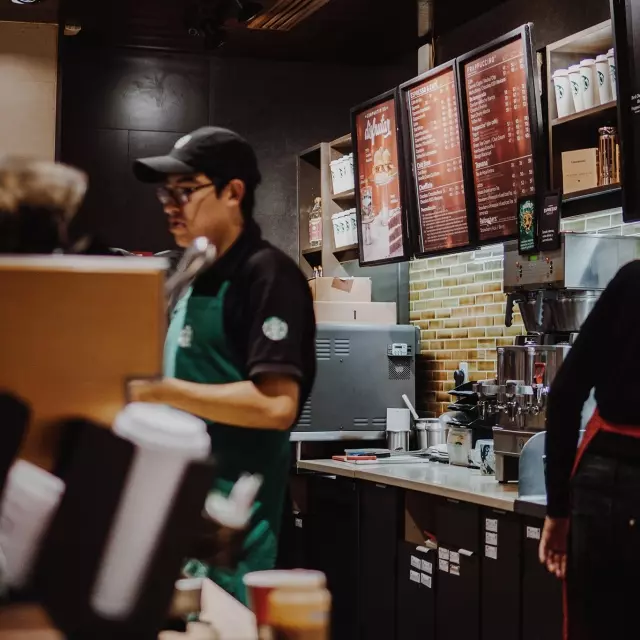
{"x": 275, "y": 329}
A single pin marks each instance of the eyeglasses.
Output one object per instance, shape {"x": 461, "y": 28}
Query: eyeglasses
{"x": 178, "y": 195}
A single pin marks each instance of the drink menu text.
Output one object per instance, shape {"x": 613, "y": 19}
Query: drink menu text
{"x": 437, "y": 160}
{"x": 501, "y": 149}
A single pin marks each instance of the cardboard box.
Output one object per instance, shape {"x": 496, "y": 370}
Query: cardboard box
{"x": 341, "y": 289}
{"x": 579, "y": 170}
{"x": 357, "y": 312}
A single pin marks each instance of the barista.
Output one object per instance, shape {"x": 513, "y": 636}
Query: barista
{"x": 591, "y": 536}
{"x": 240, "y": 351}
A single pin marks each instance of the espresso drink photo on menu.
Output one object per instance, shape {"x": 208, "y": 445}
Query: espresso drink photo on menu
{"x": 437, "y": 162}
{"x": 501, "y": 147}
{"x": 378, "y": 173}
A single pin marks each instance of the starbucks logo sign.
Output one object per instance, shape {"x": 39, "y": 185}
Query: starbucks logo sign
{"x": 601, "y": 78}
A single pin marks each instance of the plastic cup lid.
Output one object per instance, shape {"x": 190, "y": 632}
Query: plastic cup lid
{"x": 162, "y": 428}
{"x": 560, "y": 73}
{"x": 294, "y": 579}
{"x": 601, "y": 58}
{"x": 574, "y": 68}
{"x": 34, "y": 481}
{"x": 587, "y": 62}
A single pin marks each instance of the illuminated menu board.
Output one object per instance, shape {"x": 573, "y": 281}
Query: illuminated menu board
{"x": 431, "y": 104}
{"x": 379, "y": 181}
{"x": 496, "y": 87}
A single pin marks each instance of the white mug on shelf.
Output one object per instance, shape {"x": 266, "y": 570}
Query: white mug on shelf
{"x": 576, "y": 87}
{"x": 613, "y": 77}
{"x": 590, "y": 94}
{"x": 564, "y": 100}
{"x": 604, "y": 79}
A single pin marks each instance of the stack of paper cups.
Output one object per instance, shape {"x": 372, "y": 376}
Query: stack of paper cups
{"x": 576, "y": 86}
{"x": 590, "y": 94}
{"x": 564, "y": 101}
{"x": 604, "y": 79}
{"x": 613, "y": 78}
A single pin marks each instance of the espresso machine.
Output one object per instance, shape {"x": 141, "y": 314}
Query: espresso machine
{"x": 555, "y": 292}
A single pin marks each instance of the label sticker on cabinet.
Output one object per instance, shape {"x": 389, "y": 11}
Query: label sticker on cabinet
{"x": 443, "y": 565}
{"x": 533, "y": 533}
{"x": 455, "y": 570}
{"x": 415, "y": 562}
{"x": 414, "y": 576}
{"x": 491, "y": 524}
{"x": 427, "y": 566}
{"x": 491, "y": 552}
{"x": 443, "y": 553}
{"x": 491, "y": 538}
{"x": 425, "y": 580}
{"x": 454, "y": 557}
{"x": 299, "y": 523}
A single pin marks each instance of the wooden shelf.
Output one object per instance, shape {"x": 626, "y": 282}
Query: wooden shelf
{"x": 350, "y": 252}
{"x": 312, "y": 155}
{"x": 592, "y": 41}
{"x": 311, "y": 250}
{"x": 345, "y": 195}
{"x": 591, "y": 193}
{"x": 587, "y": 113}
{"x": 343, "y": 144}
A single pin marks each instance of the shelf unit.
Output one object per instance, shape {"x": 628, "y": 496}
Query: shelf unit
{"x": 579, "y": 130}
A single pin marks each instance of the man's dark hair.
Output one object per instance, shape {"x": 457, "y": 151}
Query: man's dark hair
{"x": 248, "y": 201}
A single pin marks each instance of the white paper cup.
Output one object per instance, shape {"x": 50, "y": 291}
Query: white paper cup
{"x": 590, "y": 94}
{"x": 613, "y": 76}
{"x": 576, "y": 86}
{"x": 31, "y": 498}
{"x": 398, "y": 420}
{"x": 564, "y": 100}
{"x": 604, "y": 79}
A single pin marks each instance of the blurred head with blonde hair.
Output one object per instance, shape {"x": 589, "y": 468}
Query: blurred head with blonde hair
{"x": 38, "y": 199}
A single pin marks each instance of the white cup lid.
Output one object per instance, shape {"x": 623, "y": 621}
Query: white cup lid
{"x": 574, "y": 68}
{"x": 601, "y": 58}
{"x": 587, "y": 62}
{"x": 611, "y": 52}
{"x": 280, "y": 579}
{"x": 560, "y": 73}
{"x": 35, "y": 482}
{"x": 162, "y": 428}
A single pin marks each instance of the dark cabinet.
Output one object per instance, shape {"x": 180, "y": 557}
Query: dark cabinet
{"x": 501, "y": 575}
{"x": 542, "y": 617}
{"x": 458, "y": 571}
{"x": 332, "y": 534}
{"x": 416, "y": 589}
{"x": 380, "y": 511}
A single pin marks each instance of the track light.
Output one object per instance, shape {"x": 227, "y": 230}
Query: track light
{"x": 26, "y": 1}
{"x": 247, "y": 11}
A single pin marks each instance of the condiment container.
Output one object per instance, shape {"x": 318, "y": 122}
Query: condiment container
{"x": 300, "y": 615}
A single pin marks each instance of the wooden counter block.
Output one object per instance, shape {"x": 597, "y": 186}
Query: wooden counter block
{"x": 26, "y": 622}
{"x": 73, "y": 329}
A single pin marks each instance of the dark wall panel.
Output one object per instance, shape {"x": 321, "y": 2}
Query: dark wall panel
{"x": 552, "y": 20}
{"x": 119, "y": 104}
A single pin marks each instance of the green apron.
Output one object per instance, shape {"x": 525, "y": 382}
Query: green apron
{"x": 197, "y": 350}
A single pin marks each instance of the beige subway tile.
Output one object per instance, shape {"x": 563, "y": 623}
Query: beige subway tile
{"x": 443, "y": 355}
{"x": 486, "y": 366}
{"x": 492, "y": 265}
{"x": 484, "y": 253}
{"x": 440, "y": 293}
{"x": 452, "y": 344}
{"x": 468, "y": 279}
{"x": 449, "y": 386}
{"x": 467, "y": 256}
{"x": 428, "y": 335}
{"x": 435, "y": 345}
{"x": 427, "y": 315}
{"x": 477, "y": 310}
{"x": 434, "y": 262}
{"x": 458, "y": 291}
{"x": 434, "y": 283}
{"x": 460, "y": 312}
{"x": 475, "y": 267}
{"x": 449, "y": 282}
{"x": 443, "y": 313}
{"x": 443, "y": 396}
{"x": 495, "y": 332}
{"x": 438, "y": 366}
{"x": 474, "y": 288}
{"x": 475, "y": 354}
{"x": 477, "y": 333}
{"x": 440, "y": 375}
{"x": 484, "y": 277}
{"x": 428, "y": 294}
{"x": 499, "y": 319}
{"x": 412, "y": 285}
{"x": 419, "y": 286}
{"x": 421, "y": 324}
{"x": 451, "y": 323}
{"x": 631, "y": 229}
{"x": 600, "y": 222}
{"x": 450, "y": 303}
{"x": 459, "y": 270}
{"x": 414, "y": 296}
{"x": 499, "y": 297}
{"x": 436, "y": 324}
{"x": 574, "y": 225}
{"x": 505, "y": 342}
{"x": 432, "y": 304}
{"x": 442, "y": 272}
{"x": 494, "y": 308}
{"x": 460, "y": 333}
{"x": 414, "y": 315}
{"x": 445, "y": 334}
{"x": 492, "y": 287}
{"x": 497, "y": 275}
{"x": 468, "y": 343}
{"x": 448, "y": 261}
{"x": 513, "y": 331}
{"x": 485, "y": 298}
{"x": 468, "y": 322}
{"x": 487, "y": 343}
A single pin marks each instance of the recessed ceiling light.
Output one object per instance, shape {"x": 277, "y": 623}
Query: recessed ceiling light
{"x": 26, "y": 1}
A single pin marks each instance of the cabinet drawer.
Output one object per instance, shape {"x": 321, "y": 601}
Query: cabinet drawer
{"x": 458, "y": 523}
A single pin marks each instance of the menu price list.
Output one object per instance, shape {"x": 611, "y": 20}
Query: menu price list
{"x": 437, "y": 159}
{"x": 501, "y": 149}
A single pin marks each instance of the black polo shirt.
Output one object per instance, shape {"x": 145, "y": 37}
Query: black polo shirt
{"x": 268, "y": 310}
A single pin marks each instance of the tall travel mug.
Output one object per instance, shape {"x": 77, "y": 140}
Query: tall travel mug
{"x": 564, "y": 99}
{"x": 604, "y": 79}
{"x": 166, "y": 442}
{"x": 590, "y": 95}
{"x": 613, "y": 76}
{"x": 576, "y": 86}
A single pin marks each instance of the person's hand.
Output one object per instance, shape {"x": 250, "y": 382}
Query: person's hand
{"x": 146, "y": 390}
{"x": 553, "y": 545}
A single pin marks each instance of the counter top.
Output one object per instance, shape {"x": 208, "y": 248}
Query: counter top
{"x": 459, "y": 483}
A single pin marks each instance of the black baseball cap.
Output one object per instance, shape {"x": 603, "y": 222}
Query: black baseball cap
{"x": 214, "y": 151}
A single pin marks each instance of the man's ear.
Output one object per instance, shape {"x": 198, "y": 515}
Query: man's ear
{"x": 236, "y": 190}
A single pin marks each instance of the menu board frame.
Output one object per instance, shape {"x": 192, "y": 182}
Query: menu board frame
{"x": 413, "y": 204}
{"x": 391, "y": 94}
{"x": 535, "y": 121}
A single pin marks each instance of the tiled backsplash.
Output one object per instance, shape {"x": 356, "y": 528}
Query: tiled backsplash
{"x": 458, "y": 304}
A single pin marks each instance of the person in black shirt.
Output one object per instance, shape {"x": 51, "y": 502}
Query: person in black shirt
{"x": 591, "y": 536}
{"x": 240, "y": 351}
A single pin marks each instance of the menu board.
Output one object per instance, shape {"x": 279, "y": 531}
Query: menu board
{"x": 380, "y": 206}
{"x": 432, "y": 106}
{"x": 497, "y": 106}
